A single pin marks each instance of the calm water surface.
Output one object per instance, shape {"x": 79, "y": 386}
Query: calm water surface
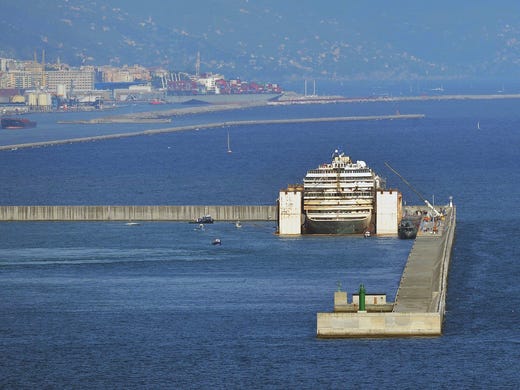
{"x": 156, "y": 305}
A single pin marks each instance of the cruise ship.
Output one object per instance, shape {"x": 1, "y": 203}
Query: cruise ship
{"x": 339, "y": 198}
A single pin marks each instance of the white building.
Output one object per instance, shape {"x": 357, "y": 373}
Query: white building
{"x": 81, "y": 79}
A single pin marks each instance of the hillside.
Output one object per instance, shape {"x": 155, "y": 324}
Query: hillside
{"x": 283, "y": 40}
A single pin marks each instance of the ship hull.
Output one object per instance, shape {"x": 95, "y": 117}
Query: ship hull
{"x": 222, "y": 98}
{"x": 407, "y": 234}
{"x": 16, "y": 124}
{"x": 359, "y": 226}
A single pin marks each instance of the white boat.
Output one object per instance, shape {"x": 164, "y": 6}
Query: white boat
{"x": 228, "y": 145}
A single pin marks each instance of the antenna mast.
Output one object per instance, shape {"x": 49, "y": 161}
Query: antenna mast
{"x": 197, "y": 65}
{"x": 435, "y": 212}
{"x": 43, "y": 68}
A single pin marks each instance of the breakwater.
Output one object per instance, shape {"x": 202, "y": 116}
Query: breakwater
{"x": 208, "y": 126}
{"x": 299, "y": 99}
{"x": 420, "y": 302}
{"x": 114, "y": 120}
{"x": 136, "y": 213}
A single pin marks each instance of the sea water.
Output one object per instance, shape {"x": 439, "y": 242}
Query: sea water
{"x": 154, "y": 305}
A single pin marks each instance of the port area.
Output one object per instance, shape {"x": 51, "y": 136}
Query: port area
{"x": 419, "y": 305}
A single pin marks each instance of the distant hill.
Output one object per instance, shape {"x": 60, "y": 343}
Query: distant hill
{"x": 273, "y": 39}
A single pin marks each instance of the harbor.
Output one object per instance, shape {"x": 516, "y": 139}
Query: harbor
{"x": 343, "y": 197}
{"x": 173, "y": 214}
{"x": 420, "y": 302}
{"x": 419, "y": 306}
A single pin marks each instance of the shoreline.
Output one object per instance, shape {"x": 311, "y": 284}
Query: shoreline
{"x": 164, "y": 116}
{"x": 289, "y": 99}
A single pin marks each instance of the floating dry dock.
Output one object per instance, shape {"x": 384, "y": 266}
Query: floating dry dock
{"x": 420, "y": 301}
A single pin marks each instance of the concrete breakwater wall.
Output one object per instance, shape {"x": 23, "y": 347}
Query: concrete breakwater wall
{"x": 136, "y": 213}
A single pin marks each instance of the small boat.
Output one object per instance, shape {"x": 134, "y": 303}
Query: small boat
{"x": 17, "y": 123}
{"x": 200, "y": 228}
{"x": 203, "y": 220}
{"x": 238, "y": 224}
{"x": 216, "y": 241}
{"x": 130, "y": 223}
{"x": 367, "y": 234}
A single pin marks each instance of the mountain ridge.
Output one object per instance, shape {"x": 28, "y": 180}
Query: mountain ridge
{"x": 280, "y": 40}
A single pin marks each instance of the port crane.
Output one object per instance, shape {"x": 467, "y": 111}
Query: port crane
{"x": 434, "y": 211}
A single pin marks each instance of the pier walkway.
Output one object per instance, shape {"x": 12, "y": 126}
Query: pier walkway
{"x": 420, "y": 301}
{"x": 423, "y": 283}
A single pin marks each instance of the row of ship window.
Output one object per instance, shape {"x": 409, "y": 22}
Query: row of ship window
{"x": 342, "y": 211}
{"x": 335, "y": 171}
{"x": 321, "y": 194}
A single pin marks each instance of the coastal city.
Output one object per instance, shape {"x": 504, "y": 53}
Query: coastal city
{"x": 34, "y": 85}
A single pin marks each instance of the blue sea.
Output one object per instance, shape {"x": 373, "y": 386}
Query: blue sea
{"x": 106, "y": 305}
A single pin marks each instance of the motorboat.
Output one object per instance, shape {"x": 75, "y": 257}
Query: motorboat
{"x": 204, "y": 219}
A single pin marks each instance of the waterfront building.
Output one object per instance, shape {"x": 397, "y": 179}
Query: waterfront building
{"x": 81, "y": 79}
{"x": 125, "y": 74}
{"x": 19, "y": 79}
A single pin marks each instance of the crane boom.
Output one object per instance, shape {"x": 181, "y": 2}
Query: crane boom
{"x": 435, "y": 212}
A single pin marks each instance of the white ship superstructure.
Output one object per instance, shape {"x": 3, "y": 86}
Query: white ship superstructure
{"x": 339, "y": 197}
